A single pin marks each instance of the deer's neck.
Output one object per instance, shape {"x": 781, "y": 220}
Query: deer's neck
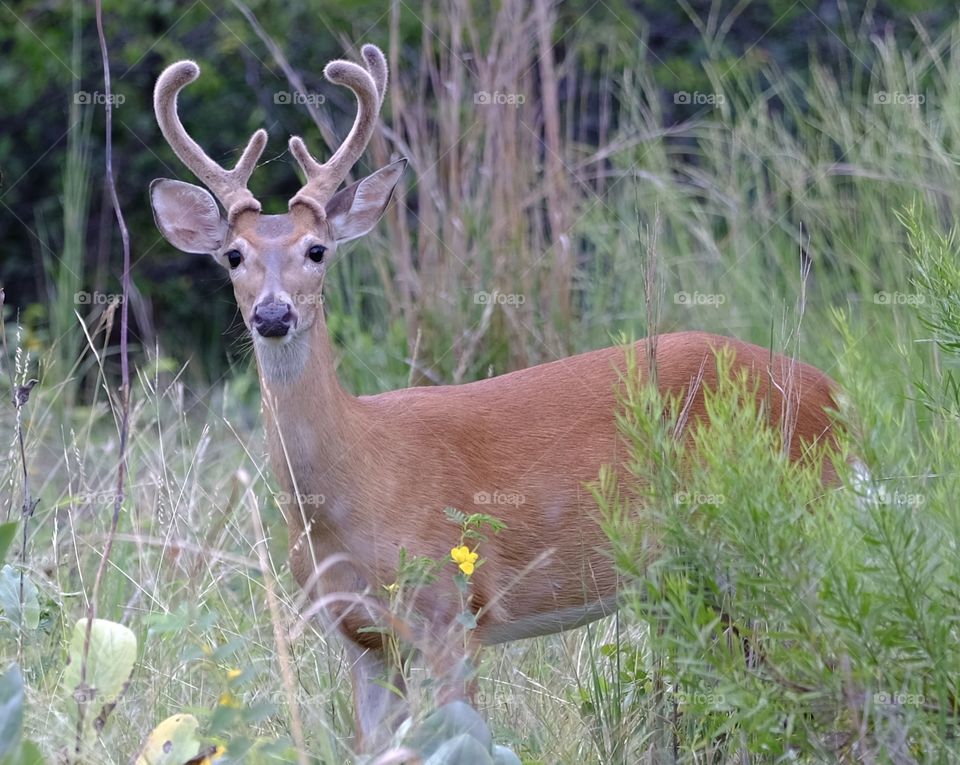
{"x": 314, "y": 427}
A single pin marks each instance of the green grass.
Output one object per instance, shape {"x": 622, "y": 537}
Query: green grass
{"x": 789, "y": 164}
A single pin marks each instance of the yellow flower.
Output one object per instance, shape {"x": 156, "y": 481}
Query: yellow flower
{"x": 213, "y": 756}
{"x": 233, "y": 674}
{"x": 227, "y": 699}
{"x": 464, "y": 558}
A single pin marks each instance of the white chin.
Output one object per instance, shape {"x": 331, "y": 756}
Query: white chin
{"x": 281, "y": 359}
{"x": 272, "y": 342}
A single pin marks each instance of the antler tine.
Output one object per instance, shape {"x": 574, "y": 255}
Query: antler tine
{"x": 229, "y": 186}
{"x": 377, "y": 66}
{"x": 369, "y": 86}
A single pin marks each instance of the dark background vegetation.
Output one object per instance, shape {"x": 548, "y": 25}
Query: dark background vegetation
{"x": 184, "y": 304}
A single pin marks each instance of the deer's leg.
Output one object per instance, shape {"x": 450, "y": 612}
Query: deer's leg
{"x": 378, "y": 709}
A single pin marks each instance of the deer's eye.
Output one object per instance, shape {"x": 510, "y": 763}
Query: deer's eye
{"x": 234, "y": 258}
{"x": 316, "y": 252}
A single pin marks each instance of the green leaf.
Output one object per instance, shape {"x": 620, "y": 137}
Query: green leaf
{"x": 172, "y": 742}
{"x": 7, "y": 532}
{"x": 113, "y": 651}
{"x": 27, "y": 753}
{"x": 462, "y": 750}
{"x": 610, "y": 650}
{"x": 483, "y": 519}
{"x": 29, "y": 617}
{"x": 468, "y": 619}
{"x": 449, "y": 721}
{"x": 227, "y": 650}
{"x": 504, "y": 756}
{"x": 11, "y": 709}
{"x": 455, "y": 516}
{"x": 257, "y": 713}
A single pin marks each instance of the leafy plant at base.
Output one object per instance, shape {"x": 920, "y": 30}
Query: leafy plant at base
{"x": 8, "y": 531}
{"x": 92, "y": 692}
{"x": 786, "y": 619}
{"x": 14, "y": 749}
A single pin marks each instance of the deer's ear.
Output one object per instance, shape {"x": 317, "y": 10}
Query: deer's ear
{"x": 353, "y": 211}
{"x": 187, "y": 216}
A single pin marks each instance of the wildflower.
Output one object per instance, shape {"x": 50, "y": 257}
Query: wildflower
{"x": 464, "y": 558}
{"x": 214, "y": 754}
{"x": 227, "y": 699}
{"x": 233, "y": 674}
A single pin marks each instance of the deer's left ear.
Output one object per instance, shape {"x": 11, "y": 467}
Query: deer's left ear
{"x": 355, "y": 210}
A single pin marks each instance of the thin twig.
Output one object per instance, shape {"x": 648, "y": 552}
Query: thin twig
{"x": 413, "y": 359}
{"x": 21, "y": 394}
{"x": 652, "y": 285}
{"x": 124, "y": 368}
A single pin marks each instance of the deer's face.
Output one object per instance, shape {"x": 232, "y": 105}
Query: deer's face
{"x": 276, "y": 263}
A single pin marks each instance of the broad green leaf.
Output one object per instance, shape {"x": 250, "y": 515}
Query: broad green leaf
{"x": 172, "y": 742}
{"x": 27, "y": 753}
{"x": 445, "y": 723}
{"x": 468, "y": 619}
{"x": 7, "y": 532}
{"x": 504, "y": 756}
{"x": 462, "y": 750}
{"x": 11, "y": 709}
{"x": 113, "y": 651}
{"x": 10, "y": 598}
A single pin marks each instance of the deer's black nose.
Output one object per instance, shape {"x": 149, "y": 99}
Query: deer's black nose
{"x": 272, "y": 319}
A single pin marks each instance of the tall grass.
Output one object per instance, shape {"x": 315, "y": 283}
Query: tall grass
{"x": 783, "y": 170}
{"x": 64, "y": 263}
{"x": 516, "y": 242}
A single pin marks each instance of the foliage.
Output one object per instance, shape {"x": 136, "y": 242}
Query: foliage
{"x": 787, "y": 621}
{"x": 7, "y": 532}
{"x": 94, "y": 682}
{"x": 455, "y": 734}
{"x": 845, "y": 602}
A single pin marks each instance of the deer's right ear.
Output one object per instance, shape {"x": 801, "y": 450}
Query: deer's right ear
{"x": 187, "y": 216}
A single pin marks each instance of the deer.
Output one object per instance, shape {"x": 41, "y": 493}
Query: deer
{"x": 387, "y": 465}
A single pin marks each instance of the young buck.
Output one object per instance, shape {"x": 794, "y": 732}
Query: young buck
{"x": 385, "y": 467}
